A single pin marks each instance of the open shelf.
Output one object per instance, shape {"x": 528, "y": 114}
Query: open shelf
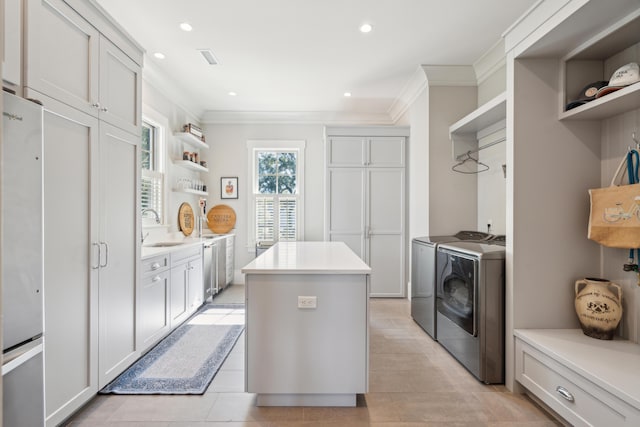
{"x": 189, "y": 191}
{"x": 191, "y": 140}
{"x": 190, "y": 165}
{"x": 488, "y": 114}
{"x": 615, "y": 103}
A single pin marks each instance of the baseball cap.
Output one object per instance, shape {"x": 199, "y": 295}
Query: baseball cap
{"x": 622, "y": 77}
{"x": 588, "y": 93}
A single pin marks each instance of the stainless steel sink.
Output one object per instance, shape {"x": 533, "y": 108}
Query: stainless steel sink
{"x": 163, "y": 244}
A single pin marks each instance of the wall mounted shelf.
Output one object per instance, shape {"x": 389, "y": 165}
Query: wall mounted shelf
{"x": 190, "y": 165}
{"x": 189, "y": 191}
{"x": 190, "y": 139}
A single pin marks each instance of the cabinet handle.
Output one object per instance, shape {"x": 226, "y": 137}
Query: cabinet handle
{"x": 564, "y": 393}
{"x": 95, "y": 105}
{"x": 156, "y": 279}
{"x": 106, "y": 256}
{"x": 155, "y": 266}
{"x": 104, "y": 109}
{"x": 95, "y": 267}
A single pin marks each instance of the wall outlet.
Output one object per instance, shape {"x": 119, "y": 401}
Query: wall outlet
{"x": 307, "y": 302}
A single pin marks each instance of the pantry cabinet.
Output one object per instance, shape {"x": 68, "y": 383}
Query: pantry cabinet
{"x": 68, "y": 59}
{"x": 365, "y": 201}
{"x": 90, "y": 90}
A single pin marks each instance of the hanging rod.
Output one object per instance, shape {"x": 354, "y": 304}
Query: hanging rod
{"x": 466, "y": 153}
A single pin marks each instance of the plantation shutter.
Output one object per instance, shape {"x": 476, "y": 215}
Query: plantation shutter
{"x": 265, "y": 219}
{"x": 287, "y": 214}
{"x": 152, "y": 191}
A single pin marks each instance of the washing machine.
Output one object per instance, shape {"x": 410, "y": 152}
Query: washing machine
{"x": 423, "y": 275}
{"x": 470, "y": 301}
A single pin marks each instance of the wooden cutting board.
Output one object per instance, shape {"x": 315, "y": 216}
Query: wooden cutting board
{"x": 221, "y": 218}
{"x": 186, "y": 219}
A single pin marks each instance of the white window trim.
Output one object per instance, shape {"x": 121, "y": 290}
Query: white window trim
{"x": 274, "y": 145}
{"x": 161, "y": 123}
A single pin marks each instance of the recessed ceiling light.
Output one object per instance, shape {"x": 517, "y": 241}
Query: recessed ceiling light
{"x": 366, "y": 28}
{"x": 185, "y": 26}
{"x": 159, "y": 55}
{"x": 232, "y": 94}
{"x": 209, "y": 56}
{"x": 347, "y": 94}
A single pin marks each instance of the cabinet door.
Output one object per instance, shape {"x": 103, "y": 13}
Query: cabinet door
{"x": 179, "y": 295}
{"x": 62, "y": 54}
{"x": 230, "y": 259}
{"x": 12, "y": 60}
{"x": 153, "y": 320}
{"x": 120, "y": 88}
{"x": 196, "y": 283}
{"x": 71, "y": 262}
{"x": 118, "y": 239}
{"x": 385, "y": 231}
{"x": 345, "y": 151}
{"x": 346, "y": 219}
{"x": 385, "y": 151}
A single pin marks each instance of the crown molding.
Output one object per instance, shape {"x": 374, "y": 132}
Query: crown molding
{"x": 328, "y": 118}
{"x": 490, "y": 62}
{"x": 411, "y": 90}
{"x": 170, "y": 88}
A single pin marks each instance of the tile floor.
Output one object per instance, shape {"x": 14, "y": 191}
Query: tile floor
{"x": 412, "y": 382}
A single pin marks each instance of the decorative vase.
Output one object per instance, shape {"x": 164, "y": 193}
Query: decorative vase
{"x": 598, "y": 305}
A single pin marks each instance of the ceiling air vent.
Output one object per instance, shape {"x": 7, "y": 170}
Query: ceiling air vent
{"x": 209, "y": 56}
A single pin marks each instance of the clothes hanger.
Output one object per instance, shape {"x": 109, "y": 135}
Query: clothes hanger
{"x": 457, "y": 167}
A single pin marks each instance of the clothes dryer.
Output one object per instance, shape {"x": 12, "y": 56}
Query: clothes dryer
{"x": 423, "y": 275}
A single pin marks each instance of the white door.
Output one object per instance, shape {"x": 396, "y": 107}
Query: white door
{"x": 385, "y": 231}
{"x": 179, "y": 294}
{"x": 120, "y": 88}
{"x": 62, "y": 55}
{"x": 118, "y": 241}
{"x": 385, "y": 151}
{"x": 346, "y": 151}
{"x": 346, "y": 216}
{"x": 70, "y": 261}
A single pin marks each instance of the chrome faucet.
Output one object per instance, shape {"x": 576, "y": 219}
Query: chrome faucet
{"x": 154, "y": 212}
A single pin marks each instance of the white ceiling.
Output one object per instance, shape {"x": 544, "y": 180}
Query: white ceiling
{"x": 302, "y": 55}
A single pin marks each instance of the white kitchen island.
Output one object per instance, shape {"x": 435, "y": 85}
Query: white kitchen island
{"x": 307, "y": 325}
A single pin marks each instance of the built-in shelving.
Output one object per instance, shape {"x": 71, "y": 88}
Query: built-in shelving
{"x": 190, "y": 139}
{"x": 608, "y": 106}
{"x": 187, "y": 164}
{"x": 465, "y": 133}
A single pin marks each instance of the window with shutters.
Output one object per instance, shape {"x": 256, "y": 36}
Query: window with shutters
{"x": 152, "y": 192}
{"x": 276, "y": 199}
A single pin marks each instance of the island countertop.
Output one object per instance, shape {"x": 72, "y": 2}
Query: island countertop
{"x": 308, "y": 258}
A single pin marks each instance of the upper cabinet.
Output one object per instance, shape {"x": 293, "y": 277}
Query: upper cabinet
{"x": 373, "y": 151}
{"x": 12, "y": 27}
{"x": 70, "y": 60}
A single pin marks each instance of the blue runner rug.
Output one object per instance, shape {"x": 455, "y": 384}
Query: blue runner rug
{"x": 187, "y": 360}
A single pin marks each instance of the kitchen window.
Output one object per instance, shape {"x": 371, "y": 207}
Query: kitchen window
{"x": 152, "y": 191}
{"x": 277, "y": 191}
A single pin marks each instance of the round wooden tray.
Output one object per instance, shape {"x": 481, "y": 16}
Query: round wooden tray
{"x": 221, "y": 218}
{"x": 186, "y": 219}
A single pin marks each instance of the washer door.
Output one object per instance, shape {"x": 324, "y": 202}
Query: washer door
{"x": 457, "y": 292}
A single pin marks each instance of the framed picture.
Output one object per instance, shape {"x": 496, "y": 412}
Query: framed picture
{"x": 229, "y": 187}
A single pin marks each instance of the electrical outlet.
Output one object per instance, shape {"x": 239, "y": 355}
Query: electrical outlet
{"x": 307, "y": 302}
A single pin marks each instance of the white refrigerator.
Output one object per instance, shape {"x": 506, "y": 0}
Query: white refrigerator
{"x": 21, "y": 254}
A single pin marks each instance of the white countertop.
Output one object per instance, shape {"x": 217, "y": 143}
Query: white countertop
{"x": 308, "y": 258}
{"x": 148, "y": 251}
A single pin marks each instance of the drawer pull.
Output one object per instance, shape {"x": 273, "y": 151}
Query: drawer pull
{"x": 155, "y": 266}
{"x": 564, "y": 393}
{"x": 156, "y": 279}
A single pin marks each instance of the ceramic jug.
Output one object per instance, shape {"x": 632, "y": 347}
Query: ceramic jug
{"x": 598, "y": 305}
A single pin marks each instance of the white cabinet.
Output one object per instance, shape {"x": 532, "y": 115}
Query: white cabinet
{"x": 12, "y": 60}
{"x": 365, "y": 193}
{"x": 68, "y": 59}
{"x": 579, "y": 377}
{"x": 186, "y": 284}
{"x": 153, "y": 306}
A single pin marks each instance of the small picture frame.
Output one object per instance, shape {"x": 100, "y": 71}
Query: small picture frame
{"x": 229, "y": 187}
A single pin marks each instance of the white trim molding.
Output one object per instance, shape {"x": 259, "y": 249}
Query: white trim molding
{"x": 295, "y": 117}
